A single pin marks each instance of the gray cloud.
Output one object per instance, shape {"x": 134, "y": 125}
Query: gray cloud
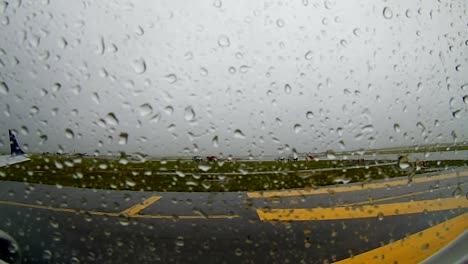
{"x": 174, "y": 75}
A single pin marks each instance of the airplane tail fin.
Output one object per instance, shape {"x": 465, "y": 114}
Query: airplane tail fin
{"x": 15, "y": 147}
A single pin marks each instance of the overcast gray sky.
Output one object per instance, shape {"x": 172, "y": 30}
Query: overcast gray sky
{"x": 232, "y": 77}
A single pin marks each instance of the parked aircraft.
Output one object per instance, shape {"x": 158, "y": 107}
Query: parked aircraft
{"x": 17, "y": 155}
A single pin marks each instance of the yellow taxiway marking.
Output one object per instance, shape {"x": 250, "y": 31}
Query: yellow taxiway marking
{"x": 373, "y": 201}
{"x": 356, "y": 187}
{"x": 134, "y": 210}
{"x": 364, "y": 211}
{"x": 416, "y": 247}
{"x": 66, "y": 210}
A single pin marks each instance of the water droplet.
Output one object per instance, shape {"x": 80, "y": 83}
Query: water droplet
{"x": 53, "y": 223}
{"x": 309, "y": 55}
{"x": 356, "y": 32}
{"x": 179, "y": 241}
{"x": 232, "y": 70}
{"x": 287, "y": 89}
{"x": 69, "y": 133}
{"x": 124, "y": 221}
{"x": 280, "y": 22}
{"x": 4, "y": 88}
{"x": 457, "y": 113}
{"x": 215, "y": 141}
{"x": 387, "y": 13}
{"x": 309, "y": 115}
{"x": 403, "y": 162}
{"x": 425, "y": 247}
{"x": 129, "y": 182}
{"x": 169, "y": 110}
{"x": 380, "y": 216}
{"x": 238, "y": 134}
{"x": 204, "y": 167}
{"x": 457, "y": 193}
{"x": 56, "y": 87}
{"x": 238, "y": 252}
{"x": 344, "y": 43}
{"x": 111, "y": 119}
{"x": 76, "y": 89}
{"x": 34, "y": 110}
{"x": 203, "y": 71}
{"x": 297, "y": 128}
{"x": 217, "y": 3}
{"x": 331, "y": 155}
{"x": 139, "y": 66}
{"x": 145, "y": 109}
{"x": 464, "y": 86}
{"x": 47, "y": 255}
{"x": 123, "y": 138}
{"x": 408, "y": 13}
{"x": 171, "y": 78}
{"x": 96, "y": 98}
{"x": 189, "y": 113}
{"x": 188, "y": 55}
{"x": 396, "y": 128}
{"x": 244, "y": 68}
{"x": 223, "y": 41}
{"x": 465, "y": 99}
{"x": 139, "y": 31}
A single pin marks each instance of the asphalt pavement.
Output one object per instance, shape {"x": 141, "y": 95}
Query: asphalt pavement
{"x": 55, "y": 224}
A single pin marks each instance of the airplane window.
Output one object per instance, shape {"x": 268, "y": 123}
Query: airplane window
{"x": 214, "y": 131}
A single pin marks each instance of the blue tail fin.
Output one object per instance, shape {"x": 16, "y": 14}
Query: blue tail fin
{"x": 15, "y": 147}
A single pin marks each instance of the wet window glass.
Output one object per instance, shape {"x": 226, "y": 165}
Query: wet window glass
{"x": 233, "y": 131}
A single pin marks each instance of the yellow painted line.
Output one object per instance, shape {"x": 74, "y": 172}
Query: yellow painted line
{"x": 365, "y": 211}
{"x": 356, "y": 187}
{"x": 65, "y": 210}
{"x": 400, "y": 196}
{"x": 134, "y": 210}
{"x": 416, "y": 247}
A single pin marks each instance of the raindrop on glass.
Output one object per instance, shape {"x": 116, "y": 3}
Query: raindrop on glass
{"x": 111, "y": 119}
{"x": 457, "y": 113}
{"x": 217, "y": 3}
{"x": 204, "y": 168}
{"x": 189, "y": 113}
{"x": 223, "y": 41}
{"x": 215, "y": 141}
{"x": 123, "y": 138}
{"x": 403, "y": 162}
{"x": 139, "y": 66}
{"x": 4, "y": 88}
{"x": 297, "y": 128}
{"x": 96, "y": 98}
{"x": 280, "y": 22}
{"x": 238, "y": 134}
{"x": 145, "y": 109}
{"x": 171, "y": 78}
{"x": 69, "y": 133}
{"x": 287, "y": 88}
{"x": 387, "y": 13}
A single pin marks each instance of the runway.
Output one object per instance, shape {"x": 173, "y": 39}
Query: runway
{"x": 55, "y": 224}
